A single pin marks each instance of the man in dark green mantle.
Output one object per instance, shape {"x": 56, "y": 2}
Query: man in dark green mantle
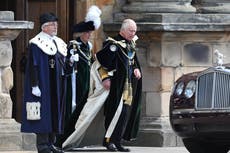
{"x": 123, "y": 105}
{"x": 80, "y": 57}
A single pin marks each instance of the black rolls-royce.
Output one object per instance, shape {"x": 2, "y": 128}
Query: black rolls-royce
{"x": 200, "y": 110}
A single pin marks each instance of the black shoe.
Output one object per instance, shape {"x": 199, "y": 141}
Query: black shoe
{"x": 121, "y": 148}
{"x": 110, "y": 146}
{"x": 56, "y": 149}
{"x": 44, "y": 151}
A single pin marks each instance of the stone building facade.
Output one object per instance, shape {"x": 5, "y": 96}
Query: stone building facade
{"x": 10, "y": 136}
{"x": 175, "y": 37}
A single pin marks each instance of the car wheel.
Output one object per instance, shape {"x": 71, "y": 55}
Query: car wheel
{"x": 199, "y": 146}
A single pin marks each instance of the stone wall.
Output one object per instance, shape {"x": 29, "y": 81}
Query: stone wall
{"x": 10, "y": 136}
{"x": 175, "y": 37}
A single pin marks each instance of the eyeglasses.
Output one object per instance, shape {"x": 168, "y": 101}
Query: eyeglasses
{"x": 51, "y": 24}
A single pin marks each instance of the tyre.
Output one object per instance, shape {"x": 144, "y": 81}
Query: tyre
{"x": 198, "y": 146}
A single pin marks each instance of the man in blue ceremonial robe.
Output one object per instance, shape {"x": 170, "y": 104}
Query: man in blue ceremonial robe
{"x": 44, "y": 89}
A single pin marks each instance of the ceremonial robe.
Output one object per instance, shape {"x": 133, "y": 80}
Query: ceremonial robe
{"x": 51, "y": 84}
{"x": 78, "y": 81}
{"x": 114, "y": 57}
{"x": 95, "y": 101}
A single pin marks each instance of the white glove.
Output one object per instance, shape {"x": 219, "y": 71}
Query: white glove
{"x": 36, "y": 91}
{"x": 74, "y": 58}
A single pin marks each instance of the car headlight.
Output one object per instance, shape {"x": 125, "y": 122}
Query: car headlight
{"x": 173, "y": 88}
{"x": 179, "y": 88}
{"x": 190, "y": 89}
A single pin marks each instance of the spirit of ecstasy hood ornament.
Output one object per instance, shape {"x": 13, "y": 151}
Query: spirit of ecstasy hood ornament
{"x": 219, "y": 58}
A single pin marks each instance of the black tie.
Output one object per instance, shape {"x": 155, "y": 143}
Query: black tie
{"x": 55, "y": 44}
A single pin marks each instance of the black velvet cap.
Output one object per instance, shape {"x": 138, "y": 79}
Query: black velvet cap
{"x": 48, "y": 17}
{"x": 83, "y": 26}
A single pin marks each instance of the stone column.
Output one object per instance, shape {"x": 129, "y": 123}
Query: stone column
{"x": 10, "y": 135}
{"x": 212, "y": 6}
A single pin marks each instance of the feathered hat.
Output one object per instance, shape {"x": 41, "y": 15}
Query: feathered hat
{"x": 92, "y": 21}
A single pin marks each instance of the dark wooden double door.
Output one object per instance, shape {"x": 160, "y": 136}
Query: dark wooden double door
{"x": 30, "y": 10}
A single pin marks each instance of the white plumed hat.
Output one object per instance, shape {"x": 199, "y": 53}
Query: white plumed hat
{"x": 93, "y": 14}
{"x": 92, "y": 20}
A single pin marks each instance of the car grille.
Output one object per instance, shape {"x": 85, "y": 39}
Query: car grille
{"x": 213, "y": 90}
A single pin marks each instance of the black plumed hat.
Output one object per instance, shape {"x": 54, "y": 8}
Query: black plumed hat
{"x": 92, "y": 20}
{"x": 84, "y": 26}
{"x": 48, "y": 17}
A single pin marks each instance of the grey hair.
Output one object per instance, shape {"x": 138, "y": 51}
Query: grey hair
{"x": 126, "y": 23}
{"x": 43, "y": 25}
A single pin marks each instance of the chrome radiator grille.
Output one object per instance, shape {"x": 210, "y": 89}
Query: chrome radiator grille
{"x": 213, "y": 91}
